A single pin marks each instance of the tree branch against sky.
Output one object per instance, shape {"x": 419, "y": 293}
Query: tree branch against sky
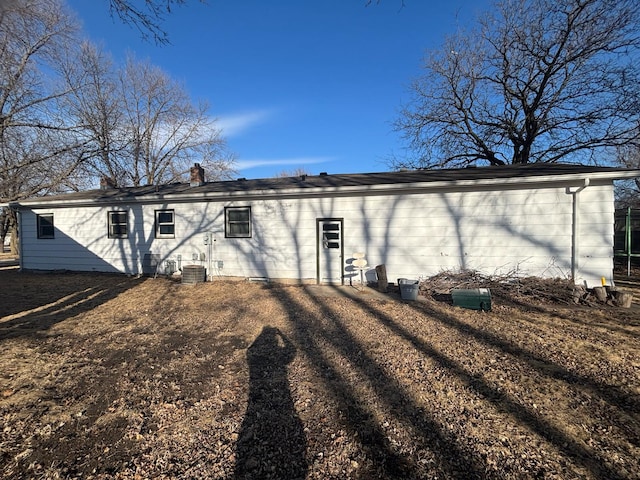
{"x": 166, "y": 131}
{"x": 67, "y": 114}
{"x": 536, "y": 81}
{"x": 96, "y": 104}
{"x": 34, "y": 34}
{"x": 146, "y": 16}
{"x": 38, "y": 152}
{"x": 139, "y": 125}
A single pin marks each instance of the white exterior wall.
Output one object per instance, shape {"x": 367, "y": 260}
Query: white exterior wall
{"x": 527, "y": 232}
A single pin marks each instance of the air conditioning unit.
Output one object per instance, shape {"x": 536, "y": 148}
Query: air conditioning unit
{"x": 192, "y": 274}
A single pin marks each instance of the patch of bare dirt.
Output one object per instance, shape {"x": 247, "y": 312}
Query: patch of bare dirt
{"x": 114, "y": 377}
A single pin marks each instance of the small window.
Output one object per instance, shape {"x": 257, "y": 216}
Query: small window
{"x": 331, "y": 235}
{"x": 118, "y": 225}
{"x": 165, "y": 224}
{"x": 45, "y": 226}
{"x": 237, "y": 222}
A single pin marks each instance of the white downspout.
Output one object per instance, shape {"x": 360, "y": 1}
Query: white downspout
{"x": 18, "y": 227}
{"x": 210, "y": 256}
{"x": 575, "y": 224}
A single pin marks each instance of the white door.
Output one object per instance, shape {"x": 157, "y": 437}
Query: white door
{"x": 330, "y": 258}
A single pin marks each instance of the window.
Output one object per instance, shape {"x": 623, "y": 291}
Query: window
{"x": 331, "y": 235}
{"x": 237, "y": 222}
{"x": 118, "y": 225}
{"x": 45, "y": 225}
{"x": 165, "y": 224}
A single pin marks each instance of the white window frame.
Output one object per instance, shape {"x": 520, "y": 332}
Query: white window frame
{"x": 111, "y": 224}
{"x": 231, "y": 224}
{"x": 159, "y": 226}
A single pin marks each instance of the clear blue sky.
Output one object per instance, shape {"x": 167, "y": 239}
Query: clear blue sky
{"x": 311, "y": 84}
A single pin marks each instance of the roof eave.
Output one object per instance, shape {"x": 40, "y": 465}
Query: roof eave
{"x": 405, "y": 188}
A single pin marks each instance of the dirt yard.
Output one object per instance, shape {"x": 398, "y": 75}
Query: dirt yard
{"x": 114, "y": 377}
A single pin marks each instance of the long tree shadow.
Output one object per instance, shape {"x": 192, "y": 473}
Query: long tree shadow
{"x": 272, "y": 442}
{"x": 311, "y": 331}
{"x": 503, "y": 401}
{"x": 56, "y": 302}
{"x": 612, "y": 394}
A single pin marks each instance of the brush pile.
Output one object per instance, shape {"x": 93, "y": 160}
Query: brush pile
{"x": 524, "y": 291}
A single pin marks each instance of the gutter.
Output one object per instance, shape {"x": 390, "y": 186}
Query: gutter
{"x": 337, "y": 191}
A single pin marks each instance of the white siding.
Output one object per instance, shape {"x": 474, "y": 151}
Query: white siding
{"x": 527, "y": 232}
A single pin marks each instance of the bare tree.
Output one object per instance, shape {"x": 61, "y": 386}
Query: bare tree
{"x": 38, "y": 150}
{"x": 166, "y": 132}
{"x": 628, "y": 191}
{"x": 537, "y": 81}
{"x": 296, "y": 172}
{"x": 97, "y": 106}
{"x": 138, "y": 125}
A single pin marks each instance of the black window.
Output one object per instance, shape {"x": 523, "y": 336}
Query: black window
{"x": 237, "y": 222}
{"x": 45, "y": 226}
{"x": 331, "y": 235}
{"x": 118, "y": 225}
{"x": 165, "y": 224}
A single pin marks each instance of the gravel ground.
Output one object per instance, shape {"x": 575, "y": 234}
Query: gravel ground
{"x": 114, "y": 377}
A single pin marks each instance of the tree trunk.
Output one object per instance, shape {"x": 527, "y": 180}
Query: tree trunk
{"x": 13, "y": 222}
{"x": 600, "y": 293}
{"x": 383, "y": 283}
{"x": 622, "y": 299}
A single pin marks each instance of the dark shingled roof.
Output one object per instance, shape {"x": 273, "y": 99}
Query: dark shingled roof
{"x": 332, "y": 181}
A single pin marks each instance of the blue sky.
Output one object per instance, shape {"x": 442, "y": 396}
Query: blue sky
{"x": 312, "y": 84}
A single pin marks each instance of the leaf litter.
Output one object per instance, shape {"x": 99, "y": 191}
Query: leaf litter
{"x": 107, "y": 376}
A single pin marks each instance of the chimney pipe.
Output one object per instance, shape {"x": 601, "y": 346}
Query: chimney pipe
{"x": 197, "y": 175}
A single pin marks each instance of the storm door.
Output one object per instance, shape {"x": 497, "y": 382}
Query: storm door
{"x": 330, "y": 247}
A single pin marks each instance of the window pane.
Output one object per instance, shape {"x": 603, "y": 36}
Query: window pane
{"x": 239, "y": 228}
{"x": 118, "y": 217}
{"x": 165, "y": 217}
{"x": 45, "y": 226}
{"x": 331, "y": 226}
{"x": 166, "y": 229}
{"x": 118, "y": 230}
{"x": 46, "y": 221}
{"x": 238, "y": 215}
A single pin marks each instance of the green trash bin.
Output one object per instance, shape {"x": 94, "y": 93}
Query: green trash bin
{"x": 408, "y": 288}
{"x": 473, "y": 298}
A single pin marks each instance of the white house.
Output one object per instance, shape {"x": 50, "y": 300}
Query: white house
{"x": 544, "y": 220}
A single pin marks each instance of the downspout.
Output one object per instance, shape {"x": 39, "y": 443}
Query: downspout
{"x": 627, "y": 239}
{"x": 575, "y": 224}
{"x": 20, "y": 237}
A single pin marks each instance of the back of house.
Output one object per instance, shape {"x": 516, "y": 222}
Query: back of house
{"x": 544, "y": 220}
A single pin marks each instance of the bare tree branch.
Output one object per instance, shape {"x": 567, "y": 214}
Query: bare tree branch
{"x": 36, "y": 138}
{"x": 536, "y": 81}
{"x": 148, "y": 18}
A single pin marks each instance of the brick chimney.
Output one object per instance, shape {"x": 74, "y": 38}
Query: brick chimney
{"x": 197, "y": 175}
{"x": 107, "y": 183}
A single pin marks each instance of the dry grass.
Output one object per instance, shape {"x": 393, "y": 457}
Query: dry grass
{"x": 115, "y": 377}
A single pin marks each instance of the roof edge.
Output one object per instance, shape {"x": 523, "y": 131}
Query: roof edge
{"x": 564, "y": 179}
